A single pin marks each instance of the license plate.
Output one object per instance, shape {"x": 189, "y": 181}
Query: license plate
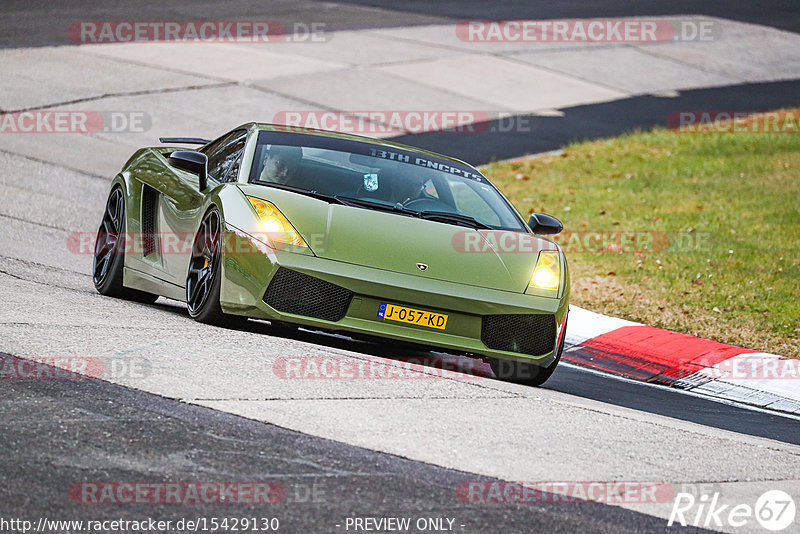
{"x": 402, "y": 314}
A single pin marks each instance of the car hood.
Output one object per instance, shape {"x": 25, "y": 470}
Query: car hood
{"x": 384, "y": 240}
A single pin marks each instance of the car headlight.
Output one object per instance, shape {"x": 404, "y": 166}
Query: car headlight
{"x": 547, "y": 273}
{"x": 275, "y": 224}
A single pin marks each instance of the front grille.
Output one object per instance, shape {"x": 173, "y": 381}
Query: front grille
{"x": 525, "y": 334}
{"x": 301, "y": 294}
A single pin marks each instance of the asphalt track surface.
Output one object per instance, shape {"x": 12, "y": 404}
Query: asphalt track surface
{"x": 58, "y": 432}
{"x": 31, "y": 24}
{"x": 42, "y": 23}
{"x": 779, "y": 14}
{"x": 579, "y": 123}
{"x": 543, "y": 134}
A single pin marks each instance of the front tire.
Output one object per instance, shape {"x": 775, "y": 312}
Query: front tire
{"x": 204, "y": 278}
{"x": 109, "y": 253}
{"x": 526, "y": 373}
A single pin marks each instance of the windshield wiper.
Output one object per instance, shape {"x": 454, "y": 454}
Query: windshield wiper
{"x": 359, "y": 202}
{"x": 313, "y": 194}
{"x": 453, "y": 218}
{"x": 438, "y": 216}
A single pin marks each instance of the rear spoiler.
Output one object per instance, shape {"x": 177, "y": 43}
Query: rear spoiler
{"x": 184, "y": 140}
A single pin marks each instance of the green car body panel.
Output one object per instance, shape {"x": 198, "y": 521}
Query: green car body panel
{"x": 373, "y": 254}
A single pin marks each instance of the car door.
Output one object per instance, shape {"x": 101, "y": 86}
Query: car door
{"x": 182, "y": 203}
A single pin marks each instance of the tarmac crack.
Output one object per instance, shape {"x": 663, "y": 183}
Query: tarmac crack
{"x": 43, "y": 225}
{"x": 42, "y": 265}
{"x": 707, "y": 69}
{"x": 127, "y": 93}
{"x": 396, "y": 397}
{"x": 116, "y": 326}
{"x": 511, "y": 58}
{"x": 52, "y": 164}
{"x": 47, "y": 284}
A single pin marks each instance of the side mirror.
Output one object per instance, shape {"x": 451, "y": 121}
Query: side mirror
{"x": 193, "y": 162}
{"x": 544, "y": 224}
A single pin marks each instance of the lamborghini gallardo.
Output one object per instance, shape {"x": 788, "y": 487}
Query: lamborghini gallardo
{"x": 339, "y": 233}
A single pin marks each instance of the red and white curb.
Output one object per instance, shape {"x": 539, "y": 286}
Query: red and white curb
{"x": 654, "y": 355}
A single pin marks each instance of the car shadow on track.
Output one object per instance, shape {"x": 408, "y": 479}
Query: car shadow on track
{"x": 406, "y": 355}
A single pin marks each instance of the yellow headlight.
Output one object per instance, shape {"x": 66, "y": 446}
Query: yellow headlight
{"x": 547, "y": 274}
{"x": 275, "y": 225}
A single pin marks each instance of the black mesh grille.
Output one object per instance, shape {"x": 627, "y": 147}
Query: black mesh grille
{"x": 526, "y": 334}
{"x": 298, "y": 293}
{"x": 149, "y": 206}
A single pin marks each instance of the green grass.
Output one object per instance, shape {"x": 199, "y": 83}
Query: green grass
{"x": 722, "y": 211}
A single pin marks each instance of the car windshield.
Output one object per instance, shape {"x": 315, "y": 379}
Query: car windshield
{"x": 382, "y": 178}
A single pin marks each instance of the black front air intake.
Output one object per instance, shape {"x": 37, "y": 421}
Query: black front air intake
{"x": 301, "y": 294}
{"x": 525, "y": 334}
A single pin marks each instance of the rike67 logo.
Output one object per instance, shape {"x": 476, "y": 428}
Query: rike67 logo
{"x": 774, "y": 510}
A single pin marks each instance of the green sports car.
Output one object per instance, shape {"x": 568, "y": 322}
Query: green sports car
{"x": 340, "y": 233}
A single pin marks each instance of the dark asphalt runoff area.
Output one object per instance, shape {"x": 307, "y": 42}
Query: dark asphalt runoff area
{"x": 65, "y": 433}
{"x": 675, "y": 404}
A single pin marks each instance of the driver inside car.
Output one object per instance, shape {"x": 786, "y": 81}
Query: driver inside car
{"x": 280, "y": 164}
{"x": 410, "y": 188}
{"x": 405, "y": 186}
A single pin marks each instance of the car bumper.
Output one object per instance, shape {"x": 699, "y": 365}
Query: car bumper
{"x": 247, "y": 276}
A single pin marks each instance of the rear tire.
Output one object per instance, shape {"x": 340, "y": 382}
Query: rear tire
{"x": 109, "y": 253}
{"x": 526, "y": 373}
